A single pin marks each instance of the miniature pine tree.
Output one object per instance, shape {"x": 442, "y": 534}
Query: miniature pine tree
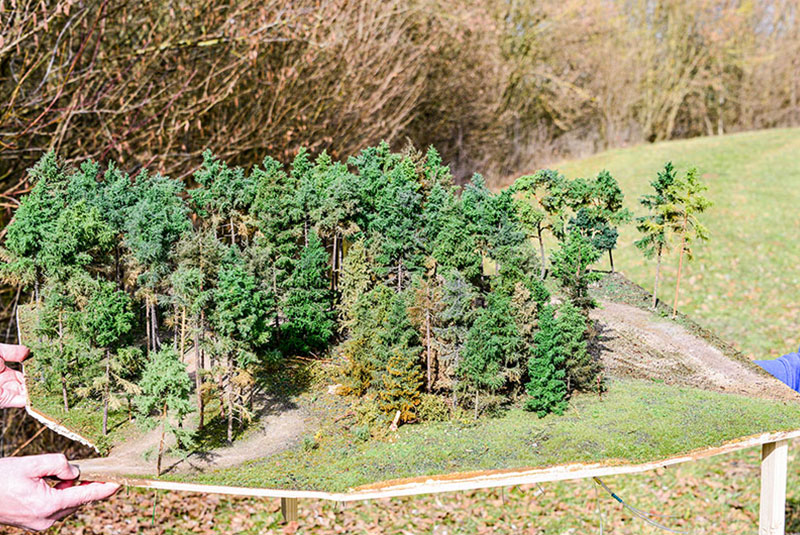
{"x": 279, "y": 218}
{"x": 571, "y": 267}
{"x": 581, "y": 368}
{"x": 164, "y": 399}
{"x": 104, "y": 321}
{"x": 547, "y": 387}
{"x": 225, "y": 194}
{"x": 491, "y": 348}
{"x": 398, "y": 372}
{"x": 33, "y": 222}
{"x": 356, "y": 279}
{"x": 691, "y": 203}
{"x": 397, "y": 225}
{"x": 454, "y": 322}
{"x": 240, "y": 321}
{"x": 535, "y": 206}
{"x": 608, "y": 199}
{"x": 309, "y": 319}
{"x": 655, "y": 226}
{"x": 153, "y": 227}
{"x": 424, "y": 314}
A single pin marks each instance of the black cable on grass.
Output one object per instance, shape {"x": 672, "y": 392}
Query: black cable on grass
{"x": 637, "y": 512}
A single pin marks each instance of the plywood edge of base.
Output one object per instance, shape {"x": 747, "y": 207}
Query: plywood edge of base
{"x": 456, "y": 481}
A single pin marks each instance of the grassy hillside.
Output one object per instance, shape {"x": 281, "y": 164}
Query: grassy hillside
{"x": 745, "y": 283}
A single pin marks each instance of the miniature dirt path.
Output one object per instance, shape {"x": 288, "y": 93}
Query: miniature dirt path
{"x": 634, "y": 343}
{"x": 276, "y": 432}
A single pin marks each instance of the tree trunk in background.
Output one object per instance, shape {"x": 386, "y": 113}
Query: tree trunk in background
{"x": 658, "y": 272}
{"x": 198, "y": 370}
{"x": 183, "y": 332}
{"x": 541, "y": 255}
{"x": 229, "y": 398}
{"x": 147, "y": 325}
{"x": 233, "y": 233}
{"x": 680, "y": 264}
{"x": 107, "y": 392}
{"x": 428, "y": 342}
{"x": 611, "y": 260}
{"x": 154, "y": 326}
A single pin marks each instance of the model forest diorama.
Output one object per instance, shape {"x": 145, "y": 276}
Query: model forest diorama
{"x": 369, "y": 294}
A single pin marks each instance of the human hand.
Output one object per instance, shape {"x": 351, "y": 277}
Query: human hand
{"x": 27, "y": 501}
{"x": 12, "y": 384}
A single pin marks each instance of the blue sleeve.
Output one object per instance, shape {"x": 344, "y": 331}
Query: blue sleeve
{"x": 786, "y": 369}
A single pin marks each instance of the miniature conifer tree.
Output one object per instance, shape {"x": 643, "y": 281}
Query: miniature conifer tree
{"x": 491, "y": 343}
{"x": 398, "y": 374}
{"x": 571, "y": 266}
{"x": 309, "y": 319}
{"x": 581, "y": 368}
{"x": 356, "y": 278}
{"x": 655, "y": 225}
{"x": 104, "y": 321}
{"x": 424, "y": 313}
{"x": 547, "y": 387}
{"x": 164, "y": 399}
{"x": 691, "y": 203}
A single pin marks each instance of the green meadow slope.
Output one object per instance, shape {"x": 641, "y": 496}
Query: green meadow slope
{"x": 745, "y": 283}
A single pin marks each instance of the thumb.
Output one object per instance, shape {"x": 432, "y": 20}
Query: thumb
{"x": 52, "y": 464}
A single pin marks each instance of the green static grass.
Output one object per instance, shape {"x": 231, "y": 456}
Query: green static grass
{"x": 635, "y": 421}
{"x": 85, "y": 418}
{"x": 744, "y": 284}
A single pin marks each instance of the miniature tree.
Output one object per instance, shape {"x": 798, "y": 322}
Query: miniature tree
{"x": 547, "y": 387}
{"x": 278, "y": 214}
{"x": 396, "y": 227}
{"x": 240, "y": 321}
{"x": 536, "y": 206}
{"x": 104, "y": 321}
{"x": 225, "y": 195}
{"x": 164, "y": 399}
{"x": 356, "y": 279}
{"x": 571, "y": 267}
{"x": 491, "y": 352}
{"x": 398, "y": 374}
{"x": 309, "y": 319}
{"x": 454, "y": 322}
{"x": 154, "y": 225}
{"x": 691, "y": 203}
{"x": 655, "y": 226}
{"x": 581, "y": 368}
{"x": 424, "y": 313}
{"x": 33, "y": 222}
{"x": 608, "y": 199}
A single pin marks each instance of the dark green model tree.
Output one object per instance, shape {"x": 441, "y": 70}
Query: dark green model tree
{"x": 310, "y": 322}
{"x": 104, "y": 321}
{"x": 571, "y": 267}
{"x": 164, "y": 399}
{"x": 547, "y": 387}
{"x": 491, "y": 352}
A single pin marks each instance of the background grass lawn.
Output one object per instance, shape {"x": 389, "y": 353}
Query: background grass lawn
{"x": 745, "y": 283}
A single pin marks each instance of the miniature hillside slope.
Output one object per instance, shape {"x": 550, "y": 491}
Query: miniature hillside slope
{"x": 673, "y": 388}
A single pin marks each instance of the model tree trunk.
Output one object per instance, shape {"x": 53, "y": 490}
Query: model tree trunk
{"x": 658, "y": 273}
{"x": 183, "y": 332}
{"x": 611, "y": 260}
{"x": 680, "y": 265}
{"x": 154, "y": 325}
{"x": 61, "y": 356}
{"x": 541, "y": 254}
{"x": 198, "y": 374}
{"x": 107, "y": 391}
{"x": 147, "y": 326}
{"x": 161, "y": 442}
{"x": 428, "y": 344}
{"x": 229, "y": 398}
